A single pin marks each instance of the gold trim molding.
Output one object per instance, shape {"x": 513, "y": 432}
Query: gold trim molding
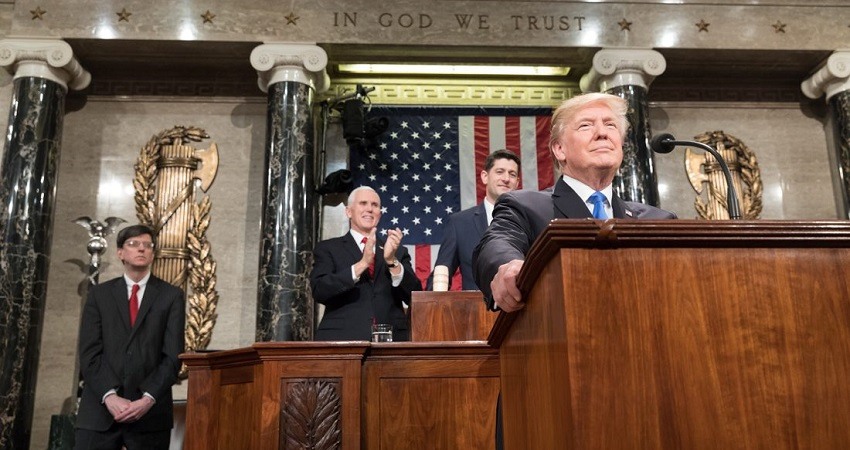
{"x": 458, "y": 92}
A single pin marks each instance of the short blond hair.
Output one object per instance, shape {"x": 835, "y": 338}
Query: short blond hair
{"x": 570, "y": 107}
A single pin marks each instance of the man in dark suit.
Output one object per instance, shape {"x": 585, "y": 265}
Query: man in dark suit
{"x": 354, "y": 299}
{"x": 130, "y": 336}
{"x": 587, "y": 143}
{"x": 465, "y": 228}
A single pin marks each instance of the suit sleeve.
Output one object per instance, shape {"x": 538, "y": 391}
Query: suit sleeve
{"x": 448, "y": 254}
{"x": 97, "y": 374}
{"x": 331, "y": 275}
{"x": 508, "y": 237}
{"x": 409, "y": 281}
{"x": 158, "y": 382}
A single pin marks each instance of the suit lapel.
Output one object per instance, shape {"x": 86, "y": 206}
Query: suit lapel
{"x": 621, "y": 211}
{"x": 151, "y": 295}
{"x": 480, "y": 219}
{"x": 351, "y": 248}
{"x": 122, "y": 301}
{"x": 568, "y": 205}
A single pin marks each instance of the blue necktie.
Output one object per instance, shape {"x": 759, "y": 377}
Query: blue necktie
{"x": 598, "y": 200}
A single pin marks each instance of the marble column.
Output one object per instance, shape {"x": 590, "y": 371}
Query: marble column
{"x": 290, "y": 73}
{"x": 832, "y": 79}
{"x": 43, "y": 72}
{"x": 628, "y": 73}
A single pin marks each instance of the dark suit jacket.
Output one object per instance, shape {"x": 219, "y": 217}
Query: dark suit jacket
{"x": 520, "y": 216}
{"x": 351, "y": 307}
{"x": 462, "y": 233}
{"x": 131, "y": 360}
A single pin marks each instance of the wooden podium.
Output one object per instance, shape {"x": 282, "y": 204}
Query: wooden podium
{"x": 680, "y": 335}
{"x": 449, "y": 316}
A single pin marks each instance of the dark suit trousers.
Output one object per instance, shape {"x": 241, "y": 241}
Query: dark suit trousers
{"x": 121, "y": 435}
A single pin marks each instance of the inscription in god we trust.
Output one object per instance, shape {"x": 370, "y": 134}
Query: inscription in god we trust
{"x": 460, "y": 21}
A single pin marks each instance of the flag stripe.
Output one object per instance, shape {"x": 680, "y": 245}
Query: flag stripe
{"x": 528, "y": 152}
{"x": 545, "y": 168}
{"x": 482, "y": 149}
{"x": 513, "y": 140}
{"x": 466, "y": 157}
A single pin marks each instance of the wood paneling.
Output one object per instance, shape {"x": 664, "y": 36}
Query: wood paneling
{"x": 449, "y": 316}
{"x": 631, "y": 343}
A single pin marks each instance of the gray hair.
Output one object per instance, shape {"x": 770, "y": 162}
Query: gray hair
{"x": 356, "y": 190}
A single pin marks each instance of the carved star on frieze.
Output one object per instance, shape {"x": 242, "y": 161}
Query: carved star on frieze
{"x": 208, "y": 17}
{"x": 779, "y": 27}
{"x": 291, "y": 19}
{"x": 625, "y": 25}
{"x": 37, "y": 13}
{"x": 124, "y": 15}
{"x": 702, "y": 25}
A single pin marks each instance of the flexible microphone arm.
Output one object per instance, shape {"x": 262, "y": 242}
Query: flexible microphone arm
{"x": 665, "y": 143}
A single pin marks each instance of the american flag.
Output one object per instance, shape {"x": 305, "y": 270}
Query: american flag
{"x": 427, "y": 165}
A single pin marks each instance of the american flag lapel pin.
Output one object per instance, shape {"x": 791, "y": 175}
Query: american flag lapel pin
{"x": 628, "y": 213}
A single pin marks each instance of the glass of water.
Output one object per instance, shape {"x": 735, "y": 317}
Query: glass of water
{"x": 382, "y": 332}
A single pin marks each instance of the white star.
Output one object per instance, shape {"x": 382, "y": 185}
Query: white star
{"x": 437, "y": 156}
{"x": 448, "y": 188}
{"x": 373, "y": 156}
{"x": 383, "y": 166}
{"x": 394, "y": 155}
{"x": 415, "y": 135}
{"x": 448, "y": 167}
{"x": 447, "y": 125}
{"x": 426, "y": 166}
{"x": 404, "y": 166}
{"x": 416, "y": 221}
{"x": 394, "y": 220}
{"x": 383, "y": 209}
{"x": 427, "y": 232}
{"x": 427, "y": 188}
{"x": 438, "y": 199}
{"x": 415, "y": 155}
{"x": 427, "y": 210}
{"x": 447, "y": 146}
{"x": 394, "y": 198}
{"x": 448, "y": 209}
{"x": 405, "y": 145}
{"x": 437, "y": 135}
{"x": 394, "y": 135}
{"x": 404, "y": 124}
{"x": 383, "y": 232}
{"x": 438, "y": 177}
{"x": 415, "y": 199}
{"x": 405, "y": 187}
{"x": 405, "y": 231}
{"x": 394, "y": 177}
{"x": 405, "y": 209}
{"x": 372, "y": 177}
{"x": 383, "y": 146}
{"x": 439, "y": 220}
{"x": 383, "y": 188}
{"x": 426, "y": 124}
{"x": 362, "y": 166}
{"x": 415, "y": 177}
{"x": 426, "y": 145}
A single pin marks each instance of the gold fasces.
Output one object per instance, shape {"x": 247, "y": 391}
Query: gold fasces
{"x": 166, "y": 200}
{"x": 704, "y": 169}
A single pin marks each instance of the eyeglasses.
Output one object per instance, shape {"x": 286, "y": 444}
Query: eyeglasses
{"x": 136, "y": 244}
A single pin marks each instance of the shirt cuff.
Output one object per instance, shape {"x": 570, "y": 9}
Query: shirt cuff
{"x": 149, "y": 396}
{"x": 396, "y": 279}
{"x": 107, "y": 394}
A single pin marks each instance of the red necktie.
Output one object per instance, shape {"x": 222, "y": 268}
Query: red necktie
{"x": 372, "y": 262}
{"x": 134, "y": 304}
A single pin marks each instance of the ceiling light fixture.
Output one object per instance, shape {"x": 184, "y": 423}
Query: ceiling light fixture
{"x": 454, "y": 69}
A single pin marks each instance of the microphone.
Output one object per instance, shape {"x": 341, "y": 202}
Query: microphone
{"x": 665, "y": 143}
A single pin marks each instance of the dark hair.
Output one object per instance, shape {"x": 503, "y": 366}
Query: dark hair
{"x": 501, "y": 154}
{"x": 131, "y": 232}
